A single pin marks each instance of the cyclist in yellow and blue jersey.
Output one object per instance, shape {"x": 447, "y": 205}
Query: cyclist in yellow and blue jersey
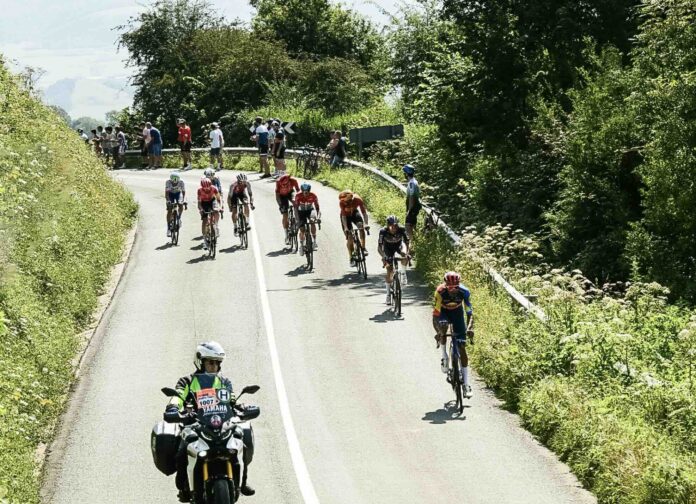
{"x": 450, "y": 299}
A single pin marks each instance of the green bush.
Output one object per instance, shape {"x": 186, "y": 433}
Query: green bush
{"x": 62, "y": 226}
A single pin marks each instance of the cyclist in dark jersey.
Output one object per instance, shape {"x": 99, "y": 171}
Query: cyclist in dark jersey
{"x": 238, "y": 193}
{"x": 392, "y": 240}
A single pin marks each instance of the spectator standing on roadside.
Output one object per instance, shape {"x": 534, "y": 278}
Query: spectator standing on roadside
{"x": 338, "y": 144}
{"x": 120, "y": 149}
{"x": 106, "y": 145}
{"x": 100, "y": 137}
{"x": 217, "y": 143}
{"x": 184, "y": 139}
{"x": 413, "y": 204}
{"x": 83, "y": 135}
{"x": 143, "y": 138}
{"x": 96, "y": 140}
{"x": 154, "y": 147}
{"x": 261, "y": 138}
{"x": 271, "y": 143}
{"x": 278, "y": 149}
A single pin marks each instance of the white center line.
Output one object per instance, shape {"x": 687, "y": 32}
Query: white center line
{"x": 308, "y": 493}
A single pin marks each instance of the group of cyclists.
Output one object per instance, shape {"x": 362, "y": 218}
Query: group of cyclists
{"x": 452, "y": 303}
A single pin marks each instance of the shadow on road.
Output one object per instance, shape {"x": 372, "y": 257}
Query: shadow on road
{"x": 300, "y": 270}
{"x": 386, "y": 316}
{"x": 198, "y": 259}
{"x": 443, "y": 415}
{"x": 197, "y": 247}
{"x": 231, "y": 249}
{"x": 277, "y": 253}
{"x": 165, "y": 246}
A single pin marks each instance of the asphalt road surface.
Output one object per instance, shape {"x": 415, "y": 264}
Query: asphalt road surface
{"x": 354, "y": 407}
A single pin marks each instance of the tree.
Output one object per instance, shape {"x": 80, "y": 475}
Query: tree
{"x": 86, "y": 123}
{"x": 61, "y": 112}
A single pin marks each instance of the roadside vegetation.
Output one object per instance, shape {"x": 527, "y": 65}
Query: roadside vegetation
{"x": 556, "y": 137}
{"x": 62, "y": 228}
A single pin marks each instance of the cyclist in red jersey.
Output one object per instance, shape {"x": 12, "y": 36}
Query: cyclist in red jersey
{"x": 305, "y": 204}
{"x": 285, "y": 191}
{"x": 351, "y": 208}
{"x": 209, "y": 200}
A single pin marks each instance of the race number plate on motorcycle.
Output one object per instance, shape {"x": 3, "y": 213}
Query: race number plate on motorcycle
{"x": 212, "y": 401}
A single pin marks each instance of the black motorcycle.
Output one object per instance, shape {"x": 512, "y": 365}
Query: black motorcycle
{"x": 214, "y": 442}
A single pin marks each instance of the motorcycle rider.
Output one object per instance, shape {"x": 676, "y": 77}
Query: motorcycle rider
{"x": 208, "y": 359}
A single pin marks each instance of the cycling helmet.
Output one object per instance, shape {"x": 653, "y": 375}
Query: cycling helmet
{"x": 409, "y": 170}
{"x": 452, "y": 279}
{"x": 209, "y": 172}
{"x": 241, "y": 178}
{"x": 306, "y": 187}
{"x": 345, "y": 195}
{"x": 392, "y": 219}
{"x": 284, "y": 178}
{"x": 174, "y": 177}
{"x": 210, "y": 350}
{"x": 206, "y": 183}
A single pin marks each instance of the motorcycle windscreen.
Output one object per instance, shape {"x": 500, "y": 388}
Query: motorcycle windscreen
{"x": 213, "y": 403}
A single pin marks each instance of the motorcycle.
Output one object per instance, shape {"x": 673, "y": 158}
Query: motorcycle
{"x": 214, "y": 438}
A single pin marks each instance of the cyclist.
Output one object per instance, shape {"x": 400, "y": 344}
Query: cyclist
{"x": 413, "y": 204}
{"x": 208, "y": 360}
{"x": 350, "y": 204}
{"x": 305, "y": 204}
{"x": 209, "y": 200}
{"x": 174, "y": 193}
{"x": 285, "y": 191}
{"x": 450, "y": 298}
{"x": 239, "y": 191}
{"x": 392, "y": 240}
{"x": 214, "y": 179}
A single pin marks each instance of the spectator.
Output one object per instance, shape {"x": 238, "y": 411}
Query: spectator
{"x": 154, "y": 147}
{"x": 96, "y": 141}
{"x": 143, "y": 138}
{"x": 184, "y": 139}
{"x": 83, "y": 135}
{"x": 100, "y": 137}
{"x": 338, "y": 146}
{"x": 261, "y": 138}
{"x": 413, "y": 204}
{"x": 278, "y": 149}
{"x": 120, "y": 149}
{"x": 217, "y": 143}
{"x": 106, "y": 143}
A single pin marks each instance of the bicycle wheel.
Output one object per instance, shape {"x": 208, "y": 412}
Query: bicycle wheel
{"x": 309, "y": 250}
{"x": 396, "y": 297}
{"x": 242, "y": 229}
{"x": 456, "y": 382}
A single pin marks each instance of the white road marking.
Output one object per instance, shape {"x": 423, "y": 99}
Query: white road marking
{"x": 306, "y": 487}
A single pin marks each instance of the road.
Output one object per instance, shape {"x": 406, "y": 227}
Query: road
{"x": 353, "y": 401}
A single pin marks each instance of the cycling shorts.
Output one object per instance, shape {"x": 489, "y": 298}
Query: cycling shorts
{"x": 207, "y": 206}
{"x": 390, "y": 249}
{"x": 175, "y": 197}
{"x": 353, "y": 219}
{"x": 305, "y": 215}
{"x": 239, "y": 198}
{"x": 285, "y": 202}
{"x": 456, "y": 318}
{"x": 263, "y": 149}
{"x": 412, "y": 215}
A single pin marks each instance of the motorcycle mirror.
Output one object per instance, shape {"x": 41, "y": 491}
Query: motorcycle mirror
{"x": 250, "y": 389}
{"x": 170, "y": 392}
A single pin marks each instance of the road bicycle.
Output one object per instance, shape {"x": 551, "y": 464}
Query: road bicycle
{"x": 308, "y": 161}
{"x": 210, "y": 235}
{"x": 398, "y": 278}
{"x": 292, "y": 230}
{"x": 454, "y": 377}
{"x": 242, "y": 225}
{"x": 359, "y": 251}
{"x": 309, "y": 241}
{"x": 175, "y": 223}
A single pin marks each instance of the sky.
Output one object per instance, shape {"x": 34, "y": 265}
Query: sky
{"x": 75, "y": 43}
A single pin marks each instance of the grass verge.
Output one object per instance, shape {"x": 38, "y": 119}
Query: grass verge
{"x": 62, "y": 227}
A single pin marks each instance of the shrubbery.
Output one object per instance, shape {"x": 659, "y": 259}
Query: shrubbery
{"x": 62, "y": 225}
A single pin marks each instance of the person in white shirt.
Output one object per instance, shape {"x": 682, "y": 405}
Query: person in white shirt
{"x": 261, "y": 138}
{"x": 217, "y": 142}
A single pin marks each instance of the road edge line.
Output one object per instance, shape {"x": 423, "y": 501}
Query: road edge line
{"x": 301, "y": 472}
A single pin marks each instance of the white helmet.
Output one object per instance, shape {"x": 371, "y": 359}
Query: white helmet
{"x": 211, "y": 350}
{"x": 174, "y": 177}
{"x": 208, "y": 172}
{"x": 241, "y": 178}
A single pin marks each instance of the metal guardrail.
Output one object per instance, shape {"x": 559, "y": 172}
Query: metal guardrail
{"x": 514, "y": 294}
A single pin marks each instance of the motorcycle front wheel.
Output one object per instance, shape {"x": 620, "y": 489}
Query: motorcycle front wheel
{"x": 220, "y": 492}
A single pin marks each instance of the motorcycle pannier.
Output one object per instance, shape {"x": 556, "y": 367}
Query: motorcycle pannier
{"x": 164, "y": 443}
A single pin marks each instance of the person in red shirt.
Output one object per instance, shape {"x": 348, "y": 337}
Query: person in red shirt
{"x": 209, "y": 200}
{"x": 352, "y": 206}
{"x": 285, "y": 191}
{"x": 305, "y": 204}
{"x": 184, "y": 140}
